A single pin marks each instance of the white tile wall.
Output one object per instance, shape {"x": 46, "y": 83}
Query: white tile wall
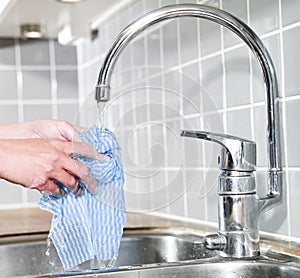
{"x": 38, "y": 80}
{"x": 215, "y": 84}
{"x": 187, "y": 73}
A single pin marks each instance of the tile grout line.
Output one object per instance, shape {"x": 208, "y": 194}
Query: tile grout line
{"x": 283, "y": 114}
{"x": 224, "y": 95}
{"x": 175, "y": 168}
{"x": 80, "y": 78}
{"x": 53, "y": 79}
{"x": 252, "y": 118}
{"x": 134, "y": 114}
{"x": 184, "y": 180}
{"x": 201, "y": 118}
{"x": 20, "y": 97}
{"x": 163, "y": 102}
{"x": 148, "y": 111}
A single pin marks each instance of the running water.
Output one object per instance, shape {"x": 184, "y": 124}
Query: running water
{"x": 101, "y": 113}
{"x": 102, "y": 264}
{"x": 47, "y": 253}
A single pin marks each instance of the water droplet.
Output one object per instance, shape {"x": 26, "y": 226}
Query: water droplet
{"x": 47, "y": 253}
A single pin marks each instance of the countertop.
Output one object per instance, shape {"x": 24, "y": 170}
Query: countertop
{"x": 26, "y": 221}
{"x": 30, "y": 221}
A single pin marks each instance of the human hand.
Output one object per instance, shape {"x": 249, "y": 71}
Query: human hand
{"x": 38, "y": 163}
{"x": 51, "y": 129}
{"x": 46, "y": 129}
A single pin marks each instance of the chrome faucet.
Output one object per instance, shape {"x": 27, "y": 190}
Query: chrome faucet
{"x": 239, "y": 205}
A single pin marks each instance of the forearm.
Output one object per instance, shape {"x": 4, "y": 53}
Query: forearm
{"x": 14, "y": 131}
{"x": 47, "y": 128}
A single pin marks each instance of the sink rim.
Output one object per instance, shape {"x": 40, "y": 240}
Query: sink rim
{"x": 198, "y": 263}
{"x": 269, "y": 256}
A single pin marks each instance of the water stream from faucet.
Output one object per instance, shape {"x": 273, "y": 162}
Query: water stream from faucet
{"x": 101, "y": 113}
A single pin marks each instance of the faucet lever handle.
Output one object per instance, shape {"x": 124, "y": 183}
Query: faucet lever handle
{"x": 237, "y": 154}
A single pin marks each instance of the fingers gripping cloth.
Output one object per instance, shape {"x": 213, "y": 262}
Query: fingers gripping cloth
{"x": 91, "y": 226}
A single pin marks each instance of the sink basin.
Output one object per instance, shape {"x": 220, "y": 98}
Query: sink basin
{"x": 144, "y": 254}
{"x": 237, "y": 269}
{"x": 28, "y": 256}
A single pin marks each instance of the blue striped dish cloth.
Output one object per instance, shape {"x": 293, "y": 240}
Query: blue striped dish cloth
{"x": 92, "y": 225}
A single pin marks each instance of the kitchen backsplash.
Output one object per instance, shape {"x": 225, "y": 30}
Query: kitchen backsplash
{"x": 38, "y": 80}
{"x": 182, "y": 74}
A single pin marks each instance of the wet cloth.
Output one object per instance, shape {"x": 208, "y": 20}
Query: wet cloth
{"x": 91, "y": 226}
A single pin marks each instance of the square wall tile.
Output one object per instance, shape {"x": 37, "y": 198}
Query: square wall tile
{"x": 10, "y": 193}
{"x": 264, "y": 16}
{"x": 150, "y": 5}
{"x": 138, "y": 48}
{"x": 214, "y": 122}
{"x": 144, "y": 202}
{"x": 67, "y": 84}
{"x": 238, "y": 9}
{"x": 90, "y": 49}
{"x": 88, "y": 79}
{"x": 184, "y": 1}
{"x": 291, "y": 41}
{"x": 170, "y": 44}
{"x": 8, "y": 81}
{"x": 191, "y": 90}
{"x": 195, "y": 188}
{"x": 290, "y": 11}
{"x": 33, "y": 196}
{"x": 7, "y": 52}
{"x": 172, "y": 97}
{"x": 136, "y": 10}
{"x": 64, "y": 54}
{"x": 156, "y": 111}
{"x": 210, "y": 37}
{"x": 189, "y": 34}
{"x": 153, "y": 45}
{"x": 193, "y": 151}
{"x": 193, "y": 148}
{"x": 67, "y": 112}
{"x": 237, "y": 77}
{"x": 239, "y": 124}
{"x": 159, "y": 200}
{"x": 8, "y": 114}
{"x": 293, "y": 132}
{"x": 129, "y": 152}
{"x": 125, "y": 61}
{"x": 36, "y": 84}
{"x": 34, "y": 52}
{"x": 294, "y": 178}
{"x": 212, "y": 84}
{"x": 173, "y": 146}
{"x": 211, "y": 194}
{"x": 36, "y": 112}
{"x": 176, "y": 193}
{"x": 168, "y": 2}
{"x": 260, "y": 135}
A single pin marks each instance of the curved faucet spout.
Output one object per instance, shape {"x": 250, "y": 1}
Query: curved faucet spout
{"x": 247, "y": 35}
{"x": 254, "y": 43}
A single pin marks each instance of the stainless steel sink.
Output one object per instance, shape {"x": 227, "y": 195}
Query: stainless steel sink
{"x": 28, "y": 256}
{"x": 145, "y": 254}
{"x": 237, "y": 269}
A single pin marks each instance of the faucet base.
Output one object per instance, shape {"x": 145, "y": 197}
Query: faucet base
{"x": 241, "y": 244}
